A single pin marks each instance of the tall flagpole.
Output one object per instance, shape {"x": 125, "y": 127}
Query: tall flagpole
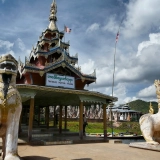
{"x": 64, "y": 32}
{"x": 117, "y": 36}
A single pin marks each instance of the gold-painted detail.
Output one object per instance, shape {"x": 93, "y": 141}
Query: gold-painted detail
{"x": 41, "y": 73}
{"x": 151, "y": 110}
{"x": 5, "y": 105}
{"x": 8, "y": 72}
{"x": 63, "y": 65}
{"x": 157, "y": 85}
{"x": 83, "y": 79}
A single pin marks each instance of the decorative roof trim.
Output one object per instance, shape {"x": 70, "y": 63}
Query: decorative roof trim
{"x": 62, "y": 90}
{"x": 59, "y": 64}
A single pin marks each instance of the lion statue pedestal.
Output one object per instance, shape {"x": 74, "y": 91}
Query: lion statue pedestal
{"x": 10, "y": 107}
{"x": 150, "y": 126}
{"x": 150, "y": 123}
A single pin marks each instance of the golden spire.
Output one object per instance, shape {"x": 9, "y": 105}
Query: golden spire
{"x": 151, "y": 110}
{"x": 52, "y": 17}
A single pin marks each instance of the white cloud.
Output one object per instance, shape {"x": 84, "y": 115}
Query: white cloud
{"x": 112, "y": 25}
{"x": 147, "y": 92}
{"x": 88, "y": 67}
{"x": 154, "y": 38}
{"x": 141, "y": 16}
{"x": 93, "y": 27}
{"x": 9, "y": 52}
{"x": 6, "y": 44}
{"x": 3, "y": 1}
{"x": 20, "y": 44}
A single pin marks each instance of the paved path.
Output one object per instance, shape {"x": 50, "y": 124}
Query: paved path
{"x": 90, "y": 151}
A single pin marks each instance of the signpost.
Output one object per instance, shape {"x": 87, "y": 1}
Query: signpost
{"x": 56, "y": 80}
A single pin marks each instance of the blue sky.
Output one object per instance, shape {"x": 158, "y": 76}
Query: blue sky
{"x": 94, "y": 25}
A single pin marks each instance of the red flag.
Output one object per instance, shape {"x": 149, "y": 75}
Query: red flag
{"x": 68, "y": 30}
{"x": 117, "y": 36}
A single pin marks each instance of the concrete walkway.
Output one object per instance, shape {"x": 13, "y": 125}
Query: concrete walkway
{"x": 90, "y": 151}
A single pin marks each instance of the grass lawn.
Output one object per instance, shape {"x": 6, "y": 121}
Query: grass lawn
{"x": 98, "y": 127}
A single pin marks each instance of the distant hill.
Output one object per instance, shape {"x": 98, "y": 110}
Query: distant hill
{"x": 143, "y": 106}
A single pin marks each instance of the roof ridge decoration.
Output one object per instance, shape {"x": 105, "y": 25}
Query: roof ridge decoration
{"x": 52, "y": 17}
{"x": 58, "y": 63}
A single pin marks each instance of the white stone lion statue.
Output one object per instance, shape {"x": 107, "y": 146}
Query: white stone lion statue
{"x": 150, "y": 123}
{"x": 10, "y": 107}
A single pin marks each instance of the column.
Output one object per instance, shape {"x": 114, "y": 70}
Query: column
{"x": 81, "y": 109}
{"x": 65, "y": 118}
{"x": 31, "y": 115}
{"x": 104, "y": 122}
{"x": 47, "y": 116}
{"x": 39, "y": 115}
{"x": 54, "y": 123}
{"x": 26, "y": 115}
{"x": 60, "y": 120}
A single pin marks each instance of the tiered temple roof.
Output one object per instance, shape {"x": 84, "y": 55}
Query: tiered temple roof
{"x": 51, "y": 55}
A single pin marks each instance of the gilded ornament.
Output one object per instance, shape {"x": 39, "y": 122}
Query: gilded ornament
{"x": 63, "y": 65}
{"x": 151, "y": 110}
{"x": 41, "y": 73}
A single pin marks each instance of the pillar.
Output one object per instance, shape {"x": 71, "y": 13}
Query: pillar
{"x": 55, "y": 117}
{"x": 39, "y": 113}
{"x": 31, "y": 115}
{"x": 47, "y": 116}
{"x": 65, "y": 118}
{"x": 111, "y": 121}
{"x": 81, "y": 109}
{"x": 104, "y": 122}
{"x": 26, "y": 115}
{"x": 60, "y": 120}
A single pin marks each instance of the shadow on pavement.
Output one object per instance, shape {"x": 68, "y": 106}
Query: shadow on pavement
{"x": 83, "y": 159}
{"x": 36, "y": 158}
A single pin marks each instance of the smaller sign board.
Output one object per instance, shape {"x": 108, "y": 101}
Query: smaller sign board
{"x": 60, "y": 81}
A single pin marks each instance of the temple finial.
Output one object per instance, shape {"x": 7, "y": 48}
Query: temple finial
{"x": 52, "y": 17}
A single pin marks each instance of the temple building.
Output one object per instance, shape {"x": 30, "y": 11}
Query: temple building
{"x": 50, "y": 78}
{"x": 123, "y": 113}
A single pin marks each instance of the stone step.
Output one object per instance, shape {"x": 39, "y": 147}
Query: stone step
{"x": 115, "y": 141}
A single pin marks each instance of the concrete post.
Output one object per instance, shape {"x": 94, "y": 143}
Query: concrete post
{"x": 47, "y": 116}
{"x": 60, "y": 120}
{"x": 65, "y": 120}
{"x": 31, "y": 115}
{"x": 81, "y": 109}
{"x": 104, "y": 122}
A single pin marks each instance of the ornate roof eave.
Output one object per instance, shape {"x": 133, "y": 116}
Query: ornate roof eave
{"x": 62, "y": 32}
{"x": 70, "y": 59}
{"x": 56, "y": 40}
{"x": 73, "y": 59}
{"x": 44, "y": 53}
{"x": 50, "y": 31}
{"x": 81, "y": 93}
{"x": 46, "y": 40}
{"x": 61, "y": 63}
{"x": 65, "y": 43}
